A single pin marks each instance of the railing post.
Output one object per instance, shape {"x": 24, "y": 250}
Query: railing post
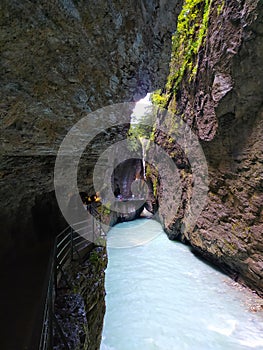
{"x": 50, "y": 314}
{"x": 50, "y": 322}
{"x": 55, "y": 274}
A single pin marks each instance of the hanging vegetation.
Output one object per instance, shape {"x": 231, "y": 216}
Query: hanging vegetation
{"x": 186, "y": 42}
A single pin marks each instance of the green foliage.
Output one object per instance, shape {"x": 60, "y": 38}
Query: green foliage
{"x": 220, "y": 7}
{"x": 151, "y": 174}
{"x": 186, "y": 42}
{"x": 137, "y": 132}
{"x": 155, "y": 187}
{"x": 142, "y": 129}
{"x": 100, "y": 241}
{"x": 106, "y": 209}
{"x": 158, "y": 99}
{"x": 94, "y": 257}
{"x": 148, "y": 171}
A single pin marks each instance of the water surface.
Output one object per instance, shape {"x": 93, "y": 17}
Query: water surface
{"x": 161, "y": 297}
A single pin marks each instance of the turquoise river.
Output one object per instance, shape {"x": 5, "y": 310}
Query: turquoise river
{"x": 162, "y": 297}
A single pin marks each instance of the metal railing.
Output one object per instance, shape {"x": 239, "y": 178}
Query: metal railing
{"x": 71, "y": 244}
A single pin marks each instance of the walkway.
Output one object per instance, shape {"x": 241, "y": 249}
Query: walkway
{"x": 22, "y": 295}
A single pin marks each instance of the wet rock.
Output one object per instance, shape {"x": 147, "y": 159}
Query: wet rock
{"x": 80, "y": 309}
{"x": 61, "y": 60}
{"x": 224, "y": 106}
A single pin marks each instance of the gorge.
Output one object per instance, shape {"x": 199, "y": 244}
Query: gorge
{"x": 62, "y": 60}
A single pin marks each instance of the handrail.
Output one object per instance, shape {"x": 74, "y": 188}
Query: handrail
{"x": 65, "y": 250}
{"x": 46, "y": 326}
{"x": 76, "y": 223}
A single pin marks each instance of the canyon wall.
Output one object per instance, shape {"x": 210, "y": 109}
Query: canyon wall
{"x": 59, "y": 61}
{"x": 63, "y": 59}
{"x": 222, "y": 102}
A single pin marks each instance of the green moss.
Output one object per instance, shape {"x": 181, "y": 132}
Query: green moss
{"x": 241, "y": 231}
{"x": 106, "y": 209}
{"x": 230, "y": 247}
{"x": 152, "y": 175}
{"x": 186, "y": 43}
{"x": 148, "y": 171}
{"x": 94, "y": 258}
{"x": 151, "y": 138}
{"x": 100, "y": 241}
{"x": 174, "y": 154}
{"x": 158, "y": 99}
{"x": 155, "y": 187}
{"x": 220, "y": 7}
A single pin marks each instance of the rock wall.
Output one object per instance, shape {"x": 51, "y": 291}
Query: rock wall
{"x": 59, "y": 61}
{"x": 80, "y": 309}
{"x": 223, "y": 104}
{"x": 124, "y": 175}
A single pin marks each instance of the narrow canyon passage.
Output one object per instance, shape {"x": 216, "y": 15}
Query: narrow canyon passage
{"x": 160, "y": 296}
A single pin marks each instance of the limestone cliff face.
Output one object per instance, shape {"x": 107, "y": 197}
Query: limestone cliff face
{"x": 223, "y": 104}
{"x": 59, "y": 61}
